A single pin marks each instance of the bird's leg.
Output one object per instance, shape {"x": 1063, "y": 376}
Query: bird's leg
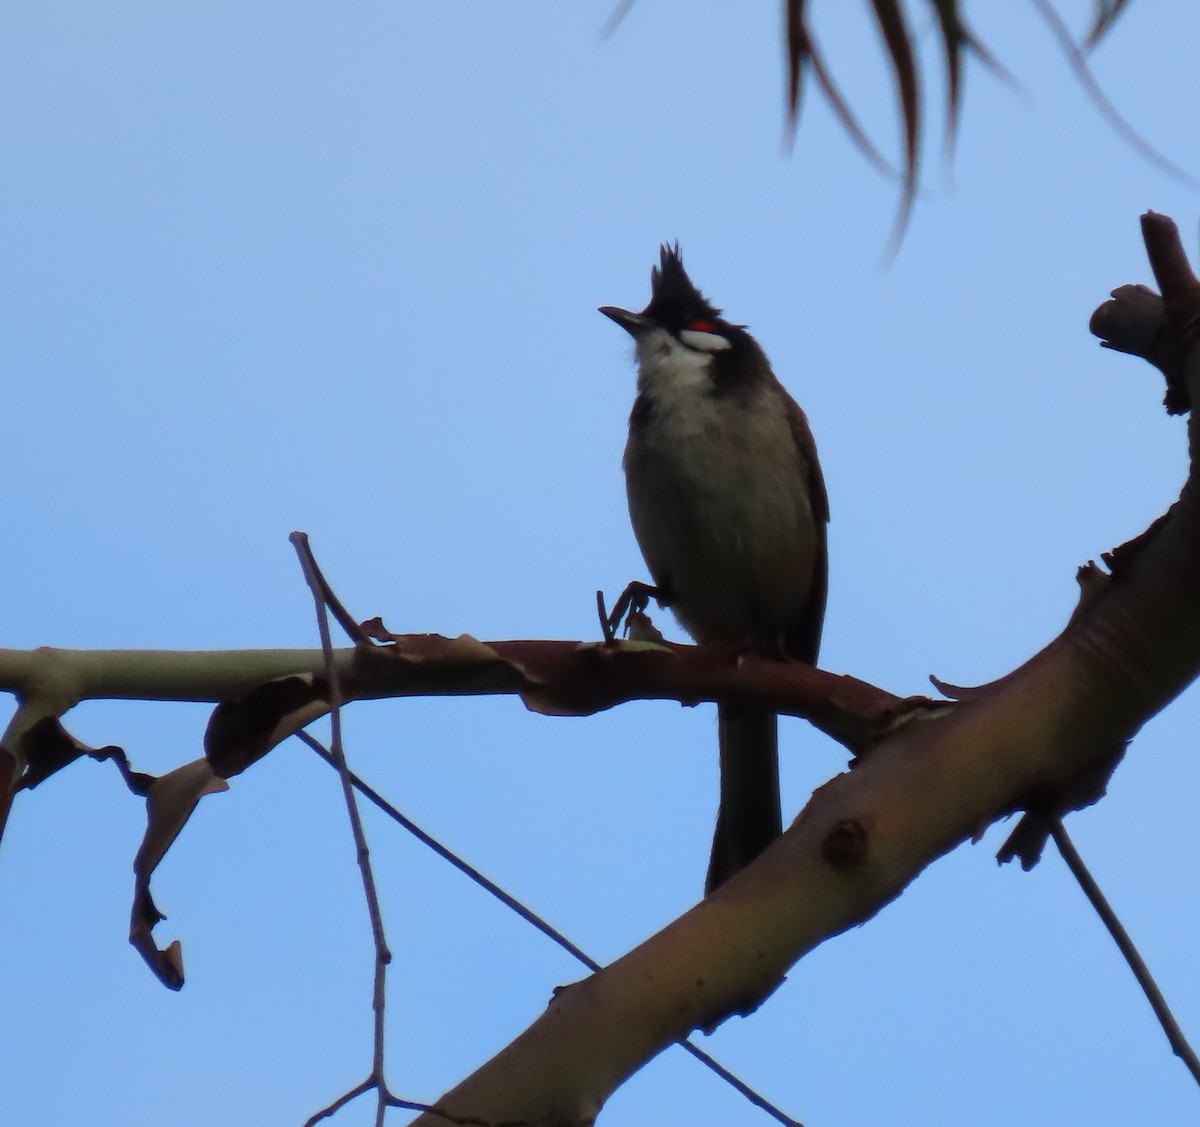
{"x": 634, "y": 600}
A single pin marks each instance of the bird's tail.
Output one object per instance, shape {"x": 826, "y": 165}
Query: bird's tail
{"x": 748, "y": 819}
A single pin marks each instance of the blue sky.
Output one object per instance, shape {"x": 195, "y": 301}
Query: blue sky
{"x": 273, "y": 266}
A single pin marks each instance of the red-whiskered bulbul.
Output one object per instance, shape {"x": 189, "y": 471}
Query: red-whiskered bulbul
{"x": 729, "y": 508}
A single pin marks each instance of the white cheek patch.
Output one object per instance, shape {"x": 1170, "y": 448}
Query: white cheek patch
{"x": 669, "y": 369}
{"x": 704, "y": 342}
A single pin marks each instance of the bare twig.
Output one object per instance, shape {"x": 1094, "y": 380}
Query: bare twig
{"x": 1179, "y": 1043}
{"x": 342, "y": 1100}
{"x": 491, "y": 887}
{"x": 531, "y": 917}
{"x": 323, "y": 592}
{"x": 383, "y": 956}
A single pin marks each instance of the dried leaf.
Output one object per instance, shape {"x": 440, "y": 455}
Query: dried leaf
{"x": 240, "y": 732}
{"x": 46, "y": 748}
{"x": 421, "y": 648}
{"x": 169, "y": 805}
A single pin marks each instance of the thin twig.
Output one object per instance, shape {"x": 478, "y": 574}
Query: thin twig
{"x": 383, "y": 956}
{"x": 342, "y": 1100}
{"x": 1141, "y": 972}
{"x": 531, "y": 917}
{"x": 468, "y": 870}
{"x": 323, "y": 592}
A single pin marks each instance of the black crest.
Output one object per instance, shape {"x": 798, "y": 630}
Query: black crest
{"x": 674, "y": 299}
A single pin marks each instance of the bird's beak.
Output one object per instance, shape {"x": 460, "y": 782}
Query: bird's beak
{"x": 633, "y": 323}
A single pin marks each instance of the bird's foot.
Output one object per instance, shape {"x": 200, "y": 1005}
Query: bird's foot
{"x": 631, "y": 604}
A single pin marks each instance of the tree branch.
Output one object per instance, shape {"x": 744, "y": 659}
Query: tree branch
{"x": 1045, "y": 736}
{"x": 1132, "y": 646}
{"x": 1179, "y": 1043}
{"x": 263, "y": 696}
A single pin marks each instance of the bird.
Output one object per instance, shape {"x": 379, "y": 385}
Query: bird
{"x": 730, "y": 510}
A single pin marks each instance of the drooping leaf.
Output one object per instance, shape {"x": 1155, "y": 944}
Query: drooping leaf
{"x": 957, "y": 39}
{"x": 170, "y": 802}
{"x": 898, "y": 41}
{"x": 241, "y": 731}
{"x": 1107, "y": 12}
{"x": 799, "y": 48}
{"x": 1075, "y": 56}
{"x": 846, "y": 116}
{"x": 804, "y": 53}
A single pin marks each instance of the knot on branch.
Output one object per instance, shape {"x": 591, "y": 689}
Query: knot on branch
{"x": 845, "y": 846}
